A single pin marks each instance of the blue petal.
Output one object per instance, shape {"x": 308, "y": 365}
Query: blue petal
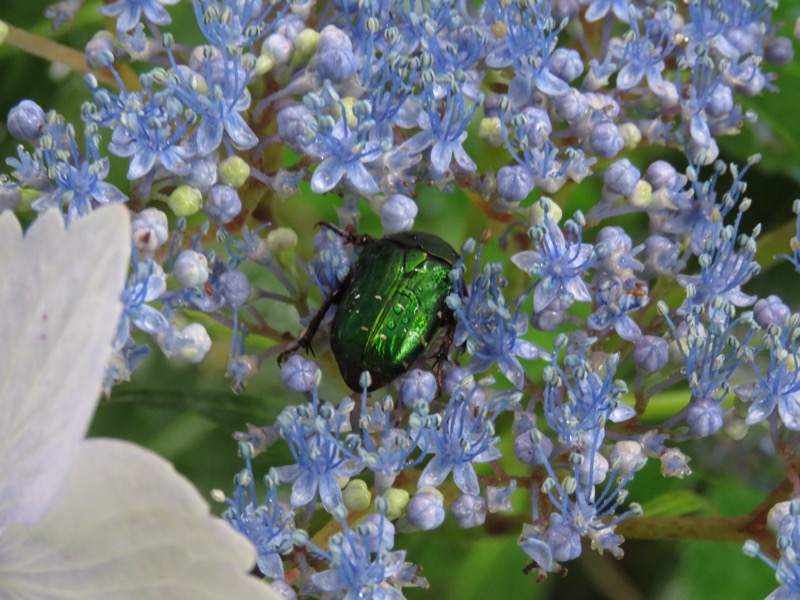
{"x": 361, "y": 179}
{"x": 129, "y": 17}
{"x": 113, "y": 9}
{"x": 789, "y": 410}
{"x": 271, "y": 565}
{"x": 597, "y": 10}
{"x": 627, "y": 328}
{"x": 760, "y": 409}
{"x": 239, "y": 131}
{"x": 435, "y": 472}
{"x": 577, "y": 288}
{"x": 150, "y": 320}
{"x": 536, "y": 549}
{"x": 525, "y": 349}
{"x": 288, "y": 473}
{"x": 105, "y": 193}
{"x": 466, "y": 479}
{"x": 500, "y": 57}
{"x": 510, "y": 367}
{"x": 520, "y": 91}
{"x": 698, "y": 128}
{"x": 208, "y": 136}
{"x": 328, "y": 173}
{"x": 546, "y": 291}
{"x": 629, "y": 76}
{"x": 156, "y": 13}
{"x": 329, "y": 492}
{"x": 549, "y": 84}
{"x": 622, "y": 412}
{"x": 304, "y": 490}
{"x": 529, "y": 261}
{"x": 417, "y": 143}
{"x": 441, "y": 155}
{"x": 327, "y": 581}
{"x": 173, "y": 162}
{"x": 491, "y": 453}
{"x": 463, "y": 159}
{"x": 141, "y": 164}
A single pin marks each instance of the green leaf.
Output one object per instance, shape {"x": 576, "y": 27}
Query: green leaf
{"x": 675, "y": 504}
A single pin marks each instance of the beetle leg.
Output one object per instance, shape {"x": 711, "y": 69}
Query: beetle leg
{"x": 313, "y": 325}
{"x": 444, "y": 349}
{"x": 357, "y": 239}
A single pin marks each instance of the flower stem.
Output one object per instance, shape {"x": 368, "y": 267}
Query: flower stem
{"x": 53, "y": 52}
{"x": 752, "y": 526}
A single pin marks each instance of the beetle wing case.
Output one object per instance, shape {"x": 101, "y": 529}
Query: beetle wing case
{"x": 392, "y": 305}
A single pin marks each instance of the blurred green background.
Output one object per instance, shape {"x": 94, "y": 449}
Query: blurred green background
{"x": 187, "y": 413}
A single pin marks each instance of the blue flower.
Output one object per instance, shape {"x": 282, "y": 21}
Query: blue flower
{"x": 734, "y": 28}
{"x": 343, "y": 147}
{"x": 579, "y": 398}
{"x": 795, "y": 242}
{"x": 580, "y": 510}
{"x": 712, "y": 352}
{"x": 343, "y": 152}
{"x": 442, "y": 122}
{"x": 331, "y": 262}
{"x": 30, "y": 171}
{"x": 386, "y": 448}
{"x": 147, "y": 284}
{"x": 529, "y": 39}
{"x": 219, "y": 102}
{"x": 237, "y": 24}
{"x": 79, "y": 186}
{"x": 269, "y": 525}
{"x": 26, "y": 121}
{"x": 493, "y": 332}
{"x": 62, "y": 12}
{"x": 65, "y": 177}
{"x": 644, "y": 54}
{"x": 336, "y": 61}
{"x": 148, "y": 127}
{"x": 387, "y": 91}
{"x": 129, "y": 12}
{"x": 321, "y": 458}
{"x": 778, "y": 384}
{"x": 600, "y": 8}
{"x": 615, "y": 299}
{"x": 724, "y": 268}
{"x": 787, "y": 569}
{"x": 122, "y": 364}
{"x": 463, "y": 436}
{"x": 560, "y": 262}
{"x": 540, "y": 163}
{"x": 361, "y": 565}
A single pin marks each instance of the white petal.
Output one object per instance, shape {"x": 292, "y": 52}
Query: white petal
{"x": 60, "y": 304}
{"x": 127, "y": 526}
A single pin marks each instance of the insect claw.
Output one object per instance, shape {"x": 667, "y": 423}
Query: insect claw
{"x": 284, "y": 356}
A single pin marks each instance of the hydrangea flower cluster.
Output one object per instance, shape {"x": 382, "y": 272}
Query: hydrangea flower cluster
{"x": 515, "y": 104}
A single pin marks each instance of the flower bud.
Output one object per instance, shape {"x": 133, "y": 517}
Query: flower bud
{"x": 185, "y": 201}
{"x": 234, "y": 171}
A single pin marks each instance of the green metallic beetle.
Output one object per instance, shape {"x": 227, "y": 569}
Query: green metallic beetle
{"x": 391, "y": 305}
